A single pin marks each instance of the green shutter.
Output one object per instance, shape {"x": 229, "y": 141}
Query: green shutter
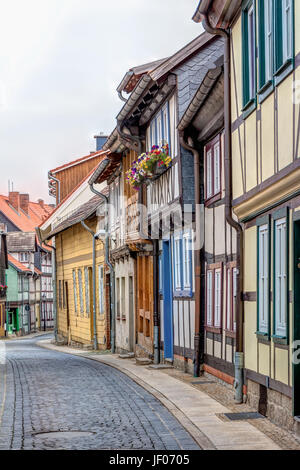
{"x": 278, "y": 56}
{"x": 261, "y": 43}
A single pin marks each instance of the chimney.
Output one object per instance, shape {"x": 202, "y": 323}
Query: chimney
{"x": 41, "y": 203}
{"x": 24, "y": 202}
{"x": 100, "y": 141}
{"x": 14, "y": 200}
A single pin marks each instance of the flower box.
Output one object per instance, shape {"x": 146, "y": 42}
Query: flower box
{"x": 149, "y": 166}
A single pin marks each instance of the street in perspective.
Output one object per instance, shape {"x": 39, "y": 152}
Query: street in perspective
{"x": 150, "y": 228}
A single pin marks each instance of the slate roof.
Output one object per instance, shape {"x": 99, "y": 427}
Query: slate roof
{"x": 192, "y": 72}
{"x": 21, "y": 241}
{"x": 80, "y": 214}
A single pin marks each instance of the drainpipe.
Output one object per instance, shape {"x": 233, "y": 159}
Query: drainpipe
{"x": 111, "y": 270}
{"x": 129, "y": 136}
{"x": 53, "y": 259}
{"x": 58, "y": 185}
{"x": 199, "y": 268}
{"x": 94, "y": 283}
{"x": 239, "y": 355}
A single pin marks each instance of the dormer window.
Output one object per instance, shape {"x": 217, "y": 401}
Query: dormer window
{"x": 23, "y": 257}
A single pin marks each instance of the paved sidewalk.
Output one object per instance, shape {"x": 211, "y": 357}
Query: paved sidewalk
{"x": 200, "y": 414}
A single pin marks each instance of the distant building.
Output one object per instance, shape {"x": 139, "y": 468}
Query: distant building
{"x": 29, "y": 275}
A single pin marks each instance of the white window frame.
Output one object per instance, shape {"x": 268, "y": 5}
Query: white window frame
{"x": 218, "y": 298}
{"x": 80, "y": 285}
{"x": 186, "y": 255}
{"x": 177, "y": 262}
{"x": 87, "y": 290}
{"x": 101, "y": 289}
{"x": 287, "y": 29}
{"x": 251, "y": 50}
{"x": 75, "y": 290}
{"x": 263, "y": 278}
{"x": 209, "y": 298}
{"x": 281, "y": 277}
{"x": 268, "y": 13}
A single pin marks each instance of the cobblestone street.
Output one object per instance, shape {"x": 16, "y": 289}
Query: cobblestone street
{"x": 51, "y": 400}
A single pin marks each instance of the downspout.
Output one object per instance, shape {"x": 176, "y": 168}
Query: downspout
{"x": 58, "y": 185}
{"x": 199, "y": 268}
{"x": 239, "y": 355}
{"x": 94, "y": 283}
{"x": 129, "y": 136}
{"x": 53, "y": 259}
{"x": 111, "y": 269}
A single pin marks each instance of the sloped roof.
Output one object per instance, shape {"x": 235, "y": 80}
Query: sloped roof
{"x": 78, "y": 161}
{"x": 17, "y": 265}
{"x": 180, "y": 56}
{"x": 70, "y": 194}
{"x": 21, "y": 241}
{"x": 134, "y": 74}
{"x": 79, "y": 215}
{"x": 25, "y": 222}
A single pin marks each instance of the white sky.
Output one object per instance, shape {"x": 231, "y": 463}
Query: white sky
{"x": 60, "y": 64}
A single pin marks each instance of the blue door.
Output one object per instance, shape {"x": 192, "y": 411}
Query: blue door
{"x": 168, "y": 300}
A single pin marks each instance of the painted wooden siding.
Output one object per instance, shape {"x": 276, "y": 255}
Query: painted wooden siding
{"x": 70, "y": 177}
{"x": 74, "y": 252}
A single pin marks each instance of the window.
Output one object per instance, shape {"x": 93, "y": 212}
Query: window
{"x": 101, "y": 289}
{"x": 280, "y": 278}
{"x": 263, "y": 277}
{"x": 182, "y": 265}
{"x": 87, "y": 290}
{"x": 118, "y": 297}
{"x": 59, "y": 294}
{"x": 266, "y": 37}
{"x": 160, "y": 273}
{"x": 231, "y": 294}
{"x": 213, "y": 168}
{"x": 286, "y": 20}
{"x": 23, "y": 257}
{"x": 80, "y": 290}
{"x": 75, "y": 290}
{"x": 214, "y": 296}
{"x": 123, "y": 297}
{"x": 160, "y": 128}
{"x": 249, "y": 53}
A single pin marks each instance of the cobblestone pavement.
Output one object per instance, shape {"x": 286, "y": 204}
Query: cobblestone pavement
{"x": 51, "y": 400}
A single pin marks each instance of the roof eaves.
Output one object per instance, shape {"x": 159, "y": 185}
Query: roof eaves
{"x": 134, "y": 97}
{"x": 205, "y": 88}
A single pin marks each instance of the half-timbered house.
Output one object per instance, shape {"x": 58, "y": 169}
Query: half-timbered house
{"x": 202, "y": 132}
{"x": 3, "y": 286}
{"x": 264, "y": 44}
{"x": 150, "y": 118}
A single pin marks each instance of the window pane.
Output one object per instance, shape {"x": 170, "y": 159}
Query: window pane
{"x": 101, "y": 290}
{"x": 251, "y": 51}
{"x": 217, "y": 182}
{"x": 87, "y": 290}
{"x": 209, "y": 294}
{"x": 280, "y": 278}
{"x": 209, "y": 173}
{"x": 75, "y": 290}
{"x": 229, "y": 299}
{"x": 217, "y": 322}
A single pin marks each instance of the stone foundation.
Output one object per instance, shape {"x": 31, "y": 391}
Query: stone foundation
{"x": 274, "y": 405}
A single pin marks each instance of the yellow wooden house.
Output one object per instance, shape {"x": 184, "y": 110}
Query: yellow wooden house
{"x": 83, "y": 313}
{"x": 264, "y": 77}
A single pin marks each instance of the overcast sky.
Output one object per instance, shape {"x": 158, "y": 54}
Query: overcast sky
{"x": 60, "y": 63}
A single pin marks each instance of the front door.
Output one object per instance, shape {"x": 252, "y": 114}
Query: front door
{"x": 296, "y": 322}
{"x": 168, "y": 300}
